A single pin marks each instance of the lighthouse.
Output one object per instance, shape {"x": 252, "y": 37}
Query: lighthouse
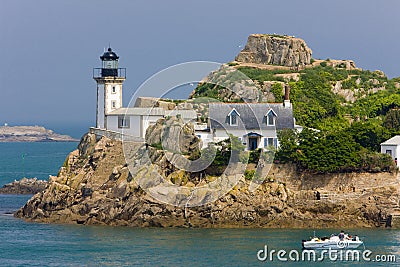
{"x": 109, "y": 79}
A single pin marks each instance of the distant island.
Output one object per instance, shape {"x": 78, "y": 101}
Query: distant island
{"x": 31, "y": 134}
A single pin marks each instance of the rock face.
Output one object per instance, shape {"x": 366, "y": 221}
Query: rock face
{"x": 174, "y": 135}
{"x": 231, "y": 85}
{"x": 276, "y": 50}
{"x": 25, "y": 186}
{"x": 31, "y": 134}
{"x": 153, "y": 102}
{"x": 95, "y": 186}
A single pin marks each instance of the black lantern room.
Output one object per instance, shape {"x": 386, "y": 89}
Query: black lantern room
{"x": 109, "y": 63}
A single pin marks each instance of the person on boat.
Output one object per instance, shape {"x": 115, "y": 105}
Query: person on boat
{"x": 341, "y": 235}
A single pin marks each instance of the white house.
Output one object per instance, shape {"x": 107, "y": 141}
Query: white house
{"x": 254, "y": 124}
{"x": 392, "y": 147}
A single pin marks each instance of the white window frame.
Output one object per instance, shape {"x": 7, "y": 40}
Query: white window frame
{"x": 113, "y": 90}
{"x": 270, "y": 141}
{"x": 230, "y": 117}
{"x": 124, "y": 122}
{"x": 113, "y": 104}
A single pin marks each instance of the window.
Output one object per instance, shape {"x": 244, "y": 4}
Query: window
{"x": 123, "y": 122}
{"x": 270, "y": 118}
{"x": 388, "y": 151}
{"x": 113, "y": 104}
{"x": 233, "y": 117}
{"x": 113, "y": 90}
{"x": 269, "y": 142}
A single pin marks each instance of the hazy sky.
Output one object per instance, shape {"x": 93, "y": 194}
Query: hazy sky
{"x": 50, "y": 47}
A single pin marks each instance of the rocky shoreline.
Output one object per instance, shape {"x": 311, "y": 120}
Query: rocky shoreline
{"x": 95, "y": 186}
{"x": 25, "y": 186}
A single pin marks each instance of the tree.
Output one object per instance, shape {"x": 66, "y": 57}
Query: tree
{"x": 369, "y": 134}
{"x": 288, "y": 144}
{"x": 392, "y": 120}
{"x": 335, "y": 152}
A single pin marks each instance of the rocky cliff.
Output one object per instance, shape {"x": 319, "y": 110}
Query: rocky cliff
{"x": 99, "y": 184}
{"x": 276, "y": 50}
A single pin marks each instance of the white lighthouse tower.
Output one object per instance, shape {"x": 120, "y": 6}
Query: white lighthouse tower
{"x": 109, "y": 79}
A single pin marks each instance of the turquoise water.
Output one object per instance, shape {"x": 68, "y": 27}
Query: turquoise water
{"x": 34, "y": 244}
{"x": 18, "y": 160}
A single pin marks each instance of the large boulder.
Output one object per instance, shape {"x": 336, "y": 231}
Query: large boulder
{"x": 275, "y": 50}
{"x": 174, "y": 135}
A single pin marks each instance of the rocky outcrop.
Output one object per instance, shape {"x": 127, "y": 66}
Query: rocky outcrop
{"x": 31, "y": 134}
{"x": 153, "y": 102}
{"x": 173, "y": 134}
{"x": 98, "y": 184}
{"x": 230, "y": 85}
{"x": 276, "y": 50}
{"x": 25, "y": 186}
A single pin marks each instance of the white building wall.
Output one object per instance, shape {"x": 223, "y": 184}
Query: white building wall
{"x": 205, "y": 137}
{"x": 111, "y": 97}
{"x": 137, "y": 124}
{"x": 100, "y": 118}
{"x": 221, "y": 134}
{"x": 394, "y": 152}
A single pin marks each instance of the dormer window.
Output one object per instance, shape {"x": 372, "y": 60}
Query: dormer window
{"x": 270, "y": 118}
{"x": 233, "y": 117}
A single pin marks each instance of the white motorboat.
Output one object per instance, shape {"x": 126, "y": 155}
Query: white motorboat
{"x": 341, "y": 241}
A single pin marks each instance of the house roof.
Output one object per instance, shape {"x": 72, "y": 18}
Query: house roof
{"x": 252, "y": 116}
{"x": 187, "y": 114}
{"x": 138, "y": 111}
{"x": 392, "y": 141}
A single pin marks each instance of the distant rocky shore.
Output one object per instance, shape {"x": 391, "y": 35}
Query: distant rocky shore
{"x": 31, "y": 134}
{"x": 25, "y": 186}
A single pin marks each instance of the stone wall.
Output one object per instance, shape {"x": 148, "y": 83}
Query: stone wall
{"x": 340, "y": 182}
{"x": 117, "y": 136}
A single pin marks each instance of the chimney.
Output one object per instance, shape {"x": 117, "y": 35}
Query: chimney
{"x": 286, "y": 99}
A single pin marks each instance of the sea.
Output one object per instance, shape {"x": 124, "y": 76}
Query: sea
{"x": 36, "y": 244}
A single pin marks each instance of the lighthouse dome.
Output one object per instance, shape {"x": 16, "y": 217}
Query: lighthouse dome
{"x": 109, "y": 55}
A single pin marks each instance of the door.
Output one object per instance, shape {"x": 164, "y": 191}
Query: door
{"x": 253, "y": 143}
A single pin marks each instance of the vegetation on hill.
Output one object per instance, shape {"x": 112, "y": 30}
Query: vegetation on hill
{"x": 339, "y": 135}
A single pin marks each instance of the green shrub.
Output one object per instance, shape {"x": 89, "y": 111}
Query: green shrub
{"x": 277, "y": 90}
{"x": 249, "y": 174}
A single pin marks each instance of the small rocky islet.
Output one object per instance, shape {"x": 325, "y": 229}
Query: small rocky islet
{"x": 96, "y": 186}
{"x": 25, "y": 186}
{"x": 31, "y": 134}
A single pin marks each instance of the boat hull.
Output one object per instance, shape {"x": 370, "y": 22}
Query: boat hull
{"x": 328, "y": 244}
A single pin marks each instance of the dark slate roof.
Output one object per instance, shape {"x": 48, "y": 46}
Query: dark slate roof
{"x": 252, "y": 116}
{"x": 109, "y": 55}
